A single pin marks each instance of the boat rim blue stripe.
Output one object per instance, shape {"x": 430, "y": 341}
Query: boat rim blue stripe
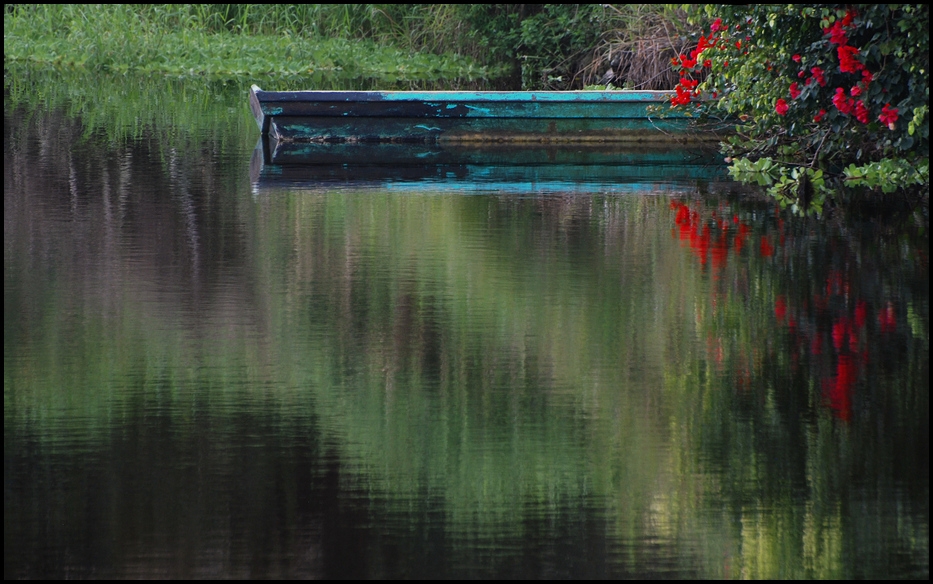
{"x": 620, "y": 96}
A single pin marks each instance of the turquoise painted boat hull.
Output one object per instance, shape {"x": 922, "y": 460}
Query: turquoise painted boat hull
{"x": 473, "y": 116}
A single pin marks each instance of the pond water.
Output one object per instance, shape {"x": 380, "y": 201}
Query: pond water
{"x": 217, "y": 365}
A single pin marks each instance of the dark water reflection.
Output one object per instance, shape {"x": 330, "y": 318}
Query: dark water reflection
{"x": 213, "y": 375}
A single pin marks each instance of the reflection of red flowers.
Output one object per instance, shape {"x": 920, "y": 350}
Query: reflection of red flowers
{"x": 794, "y": 90}
{"x": 766, "y": 249}
{"x": 842, "y": 329}
{"x": 836, "y": 283}
{"x": 719, "y": 252}
{"x": 780, "y": 308}
{"x": 861, "y": 312}
{"x": 816, "y": 346}
{"x": 781, "y": 107}
{"x": 887, "y": 318}
{"x": 839, "y": 388}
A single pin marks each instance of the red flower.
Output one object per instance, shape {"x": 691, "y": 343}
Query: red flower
{"x": 794, "y": 90}
{"x": 781, "y": 107}
{"x": 867, "y": 77}
{"x": 846, "y": 106}
{"x": 683, "y": 95}
{"x": 837, "y": 34}
{"x": 888, "y": 116}
{"x": 819, "y": 116}
{"x": 717, "y": 25}
{"x": 687, "y": 63}
{"x": 855, "y": 91}
{"x": 847, "y": 61}
{"x": 861, "y": 112}
{"x": 818, "y": 75}
{"x": 796, "y": 58}
{"x": 847, "y": 19}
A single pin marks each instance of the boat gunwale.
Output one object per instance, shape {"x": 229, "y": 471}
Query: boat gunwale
{"x": 617, "y": 96}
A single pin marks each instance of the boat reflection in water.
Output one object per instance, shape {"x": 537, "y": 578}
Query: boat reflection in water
{"x": 524, "y": 169}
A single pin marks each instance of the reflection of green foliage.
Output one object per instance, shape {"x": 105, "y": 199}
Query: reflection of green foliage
{"x": 486, "y": 352}
{"x": 496, "y": 421}
{"x": 135, "y": 107}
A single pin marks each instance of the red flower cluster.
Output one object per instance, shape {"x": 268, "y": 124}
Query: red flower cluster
{"x": 838, "y": 33}
{"x": 685, "y": 89}
{"x": 846, "y": 102}
{"x": 847, "y": 61}
{"x": 888, "y": 116}
{"x": 847, "y": 105}
{"x": 818, "y": 76}
{"x": 861, "y": 112}
{"x": 781, "y": 107}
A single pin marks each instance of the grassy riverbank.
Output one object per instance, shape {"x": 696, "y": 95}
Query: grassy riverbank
{"x": 364, "y": 45}
{"x": 186, "y": 41}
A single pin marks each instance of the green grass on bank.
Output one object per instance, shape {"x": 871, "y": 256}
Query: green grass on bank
{"x": 455, "y": 46}
{"x": 184, "y": 41}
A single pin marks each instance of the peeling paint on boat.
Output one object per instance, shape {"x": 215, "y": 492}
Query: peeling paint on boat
{"x": 471, "y": 116}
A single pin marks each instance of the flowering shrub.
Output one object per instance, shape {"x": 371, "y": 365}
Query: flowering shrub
{"x": 815, "y": 86}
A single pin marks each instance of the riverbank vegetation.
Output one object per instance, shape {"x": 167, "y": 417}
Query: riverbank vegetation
{"x": 232, "y": 43}
{"x": 832, "y": 101}
{"x": 448, "y": 46}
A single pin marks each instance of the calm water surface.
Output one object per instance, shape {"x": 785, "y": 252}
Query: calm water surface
{"x": 218, "y": 370}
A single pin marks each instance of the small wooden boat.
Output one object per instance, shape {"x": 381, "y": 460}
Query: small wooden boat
{"x": 472, "y": 116}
